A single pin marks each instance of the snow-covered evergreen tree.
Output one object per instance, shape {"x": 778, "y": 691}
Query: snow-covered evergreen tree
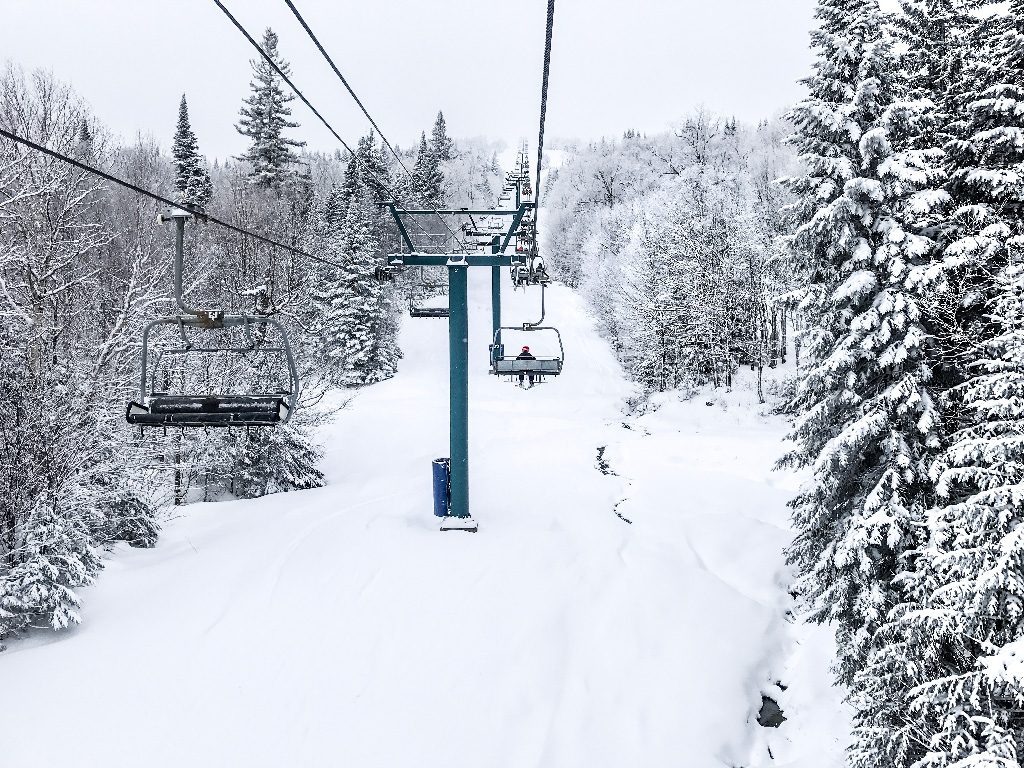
{"x": 264, "y": 118}
{"x": 58, "y": 558}
{"x": 367, "y": 170}
{"x": 963, "y": 638}
{"x": 972, "y": 571}
{"x": 358, "y": 322}
{"x": 427, "y": 179}
{"x": 278, "y": 460}
{"x": 191, "y": 178}
{"x": 867, "y": 426}
{"x": 439, "y": 141}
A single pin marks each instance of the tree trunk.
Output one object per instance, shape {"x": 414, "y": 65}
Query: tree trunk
{"x": 178, "y": 491}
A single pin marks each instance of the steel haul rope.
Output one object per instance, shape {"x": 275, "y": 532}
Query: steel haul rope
{"x": 352, "y": 93}
{"x": 199, "y": 214}
{"x": 344, "y": 82}
{"x": 277, "y": 69}
{"x": 543, "y": 115}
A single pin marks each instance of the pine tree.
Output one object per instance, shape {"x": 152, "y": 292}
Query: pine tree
{"x": 191, "y": 178}
{"x": 358, "y": 327}
{"x": 970, "y": 574}
{"x": 277, "y": 460}
{"x": 439, "y": 141}
{"x": 84, "y": 148}
{"x": 974, "y": 613}
{"x": 264, "y": 118}
{"x": 428, "y": 181}
{"x": 351, "y": 185}
{"x": 945, "y": 71}
{"x": 368, "y": 171}
{"x": 868, "y": 425}
{"x": 58, "y": 558}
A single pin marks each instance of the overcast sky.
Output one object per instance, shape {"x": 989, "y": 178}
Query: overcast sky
{"x": 615, "y": 65}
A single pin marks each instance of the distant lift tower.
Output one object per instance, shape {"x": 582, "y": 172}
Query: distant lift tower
{"x": 458, "y": 517}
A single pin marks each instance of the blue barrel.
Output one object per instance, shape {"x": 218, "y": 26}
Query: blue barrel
{"x": 442, "y": 482}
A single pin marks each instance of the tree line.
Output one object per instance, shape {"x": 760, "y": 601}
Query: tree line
{"x": 678, "y": 242}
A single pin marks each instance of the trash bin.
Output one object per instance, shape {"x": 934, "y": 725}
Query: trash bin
{"x": 442, "y": 486}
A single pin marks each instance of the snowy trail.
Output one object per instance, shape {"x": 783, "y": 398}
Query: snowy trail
{"x": 339, "y": 627}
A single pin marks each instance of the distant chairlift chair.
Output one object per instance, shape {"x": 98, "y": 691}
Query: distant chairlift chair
{"x": 257, "y": 409}
{"x": 418, "y": 310}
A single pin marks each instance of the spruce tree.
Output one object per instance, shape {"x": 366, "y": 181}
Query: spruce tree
{"x": 278, "y": 460}
{"x": 351, "y": 185}
{"x": 868, "y": 425}
{"x": 969, "y": 701}
{"x": 58, "y": 558}
{"x": 358, "y": 325}
{"x": 191, "y": 178}
{"x": 264, "y": 118}
{"x": 439, "y": 141}
{"x": 428, "y": 181}
{"x": 371, "y": 171}
{"x": 969, "y": 575}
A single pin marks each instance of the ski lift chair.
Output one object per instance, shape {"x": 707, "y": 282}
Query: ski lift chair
{"x": 210, "y": 409}
{"x": 386, "y": 273}
{"x": 538, "y": 274}
{"x": 421, "y": 311}
{"x": 538, "y": 368}
{"x": 418, "y": 310}
{"x": 520, "y": 275}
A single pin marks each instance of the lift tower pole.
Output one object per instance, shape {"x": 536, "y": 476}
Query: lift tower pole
{"x": 458, "y": 264}
{"x": 458, "y": 362}
{"x": 496, "y": 293}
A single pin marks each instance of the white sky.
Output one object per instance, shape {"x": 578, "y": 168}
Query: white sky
{"x": 615, "y": 65}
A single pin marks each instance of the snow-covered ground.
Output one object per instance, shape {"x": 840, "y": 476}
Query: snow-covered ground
{"x": 339, "y": 627}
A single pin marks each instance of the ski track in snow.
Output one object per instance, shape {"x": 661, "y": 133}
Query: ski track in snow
{"x": 339, "y": 627}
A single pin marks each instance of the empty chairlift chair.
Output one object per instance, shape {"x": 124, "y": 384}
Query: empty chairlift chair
{"x": 160, "y": 406}
{"x": 419, "y": 310}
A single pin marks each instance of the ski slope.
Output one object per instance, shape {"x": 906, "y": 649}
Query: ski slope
{"x": 339, "y": 627}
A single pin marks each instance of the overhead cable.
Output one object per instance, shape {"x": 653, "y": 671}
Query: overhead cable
{"x": 197, "y": 212}
{"x": 543, "y": 111}
{"x": 281, "y": 73}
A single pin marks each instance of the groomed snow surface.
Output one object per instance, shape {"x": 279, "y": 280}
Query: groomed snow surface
{"x": 339, "y": 627}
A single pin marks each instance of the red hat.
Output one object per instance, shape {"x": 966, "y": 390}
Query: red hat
{"x": 526, "y": 349}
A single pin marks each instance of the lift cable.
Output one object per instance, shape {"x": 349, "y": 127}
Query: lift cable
{"x": 199, "y": 214}
{"x": 280, "y": 72}
{"x": 543, "y": 114}
{"x": 352, "y": 93}
{"x": 344, "y": 82}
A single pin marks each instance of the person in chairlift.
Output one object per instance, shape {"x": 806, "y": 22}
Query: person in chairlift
{"x": 525, "y": 355}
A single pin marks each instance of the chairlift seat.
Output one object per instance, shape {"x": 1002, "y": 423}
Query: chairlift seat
{"x": 439, "y": 312}
{"x": 209, "y": 411}
{"x": 512, "y": 366}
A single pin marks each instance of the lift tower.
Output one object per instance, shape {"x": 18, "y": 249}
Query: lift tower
{"x": 458, "y": 264}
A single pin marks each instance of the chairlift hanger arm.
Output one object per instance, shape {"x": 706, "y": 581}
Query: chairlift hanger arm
{"x": 401, "y": 226}
{"x": 520, "y": 212}
{"x": 543, "y": 311}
